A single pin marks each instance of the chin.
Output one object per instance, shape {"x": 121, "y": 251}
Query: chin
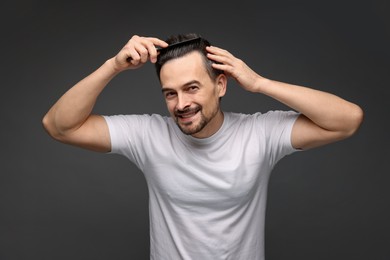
{"x": 192, "y": 129}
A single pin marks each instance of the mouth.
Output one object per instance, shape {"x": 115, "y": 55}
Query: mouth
{"x": 186, "y": 116}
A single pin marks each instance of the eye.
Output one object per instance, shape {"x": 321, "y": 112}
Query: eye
{"x": 192, "y": 89}
{"x": 170, "y": 94}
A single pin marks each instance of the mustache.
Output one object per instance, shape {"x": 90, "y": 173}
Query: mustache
{"x": 187, "y": 110}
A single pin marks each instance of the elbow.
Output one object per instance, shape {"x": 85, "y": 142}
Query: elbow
{"x": 356, "y": 118}
{"x": 50, "y": 128}
{"x": 47, "y": 126}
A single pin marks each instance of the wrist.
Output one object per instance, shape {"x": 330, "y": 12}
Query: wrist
{"x": 261, "y": 84}
{"x": 112, "y": 66}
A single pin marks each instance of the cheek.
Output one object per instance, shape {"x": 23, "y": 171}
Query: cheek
{"x": 170, "y": 106}
{"x": 213, "y": 102}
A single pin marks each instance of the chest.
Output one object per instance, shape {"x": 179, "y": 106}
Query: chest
{"x": 214, "y": 178}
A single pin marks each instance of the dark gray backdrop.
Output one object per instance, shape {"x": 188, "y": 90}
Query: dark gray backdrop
{"x": 61, "y": 202}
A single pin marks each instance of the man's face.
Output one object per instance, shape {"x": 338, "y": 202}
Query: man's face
{"x": 192, "y": 97}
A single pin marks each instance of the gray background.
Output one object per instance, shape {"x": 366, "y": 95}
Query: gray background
{"x": 61, "y": 202}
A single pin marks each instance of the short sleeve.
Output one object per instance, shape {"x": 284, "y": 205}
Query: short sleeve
{"x": 126, "y": 134}
{"x": 277, "y": 127}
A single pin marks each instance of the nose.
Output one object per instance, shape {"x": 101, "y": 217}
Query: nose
{"x": 182, "y": 102}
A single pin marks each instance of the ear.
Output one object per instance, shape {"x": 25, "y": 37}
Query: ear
{"x": 221, "y": 84}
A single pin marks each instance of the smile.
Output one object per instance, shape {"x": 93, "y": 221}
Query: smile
{"x": 187, "y": 116}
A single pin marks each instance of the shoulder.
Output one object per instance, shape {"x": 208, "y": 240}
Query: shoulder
{"x": 137, "y": 124}
{"x": 267, "y": 123}
{"x": 275, "y": 116}
{"x": 136, "y": 119}
{"x": 272, "y": 115}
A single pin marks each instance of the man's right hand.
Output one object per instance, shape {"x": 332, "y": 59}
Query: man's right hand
{"x": 137, "y": 52}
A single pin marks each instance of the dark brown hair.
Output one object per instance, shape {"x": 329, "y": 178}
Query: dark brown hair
{"x": 182, "y": 44}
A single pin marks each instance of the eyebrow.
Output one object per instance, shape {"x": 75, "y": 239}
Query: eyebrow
{"x": 165, "y": 89}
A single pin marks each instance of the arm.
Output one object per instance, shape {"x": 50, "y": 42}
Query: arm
{"x": 325, "y": 118}
{"x": 70, "y": 120}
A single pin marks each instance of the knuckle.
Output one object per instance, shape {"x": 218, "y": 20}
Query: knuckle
{"x": 143, "y": 52}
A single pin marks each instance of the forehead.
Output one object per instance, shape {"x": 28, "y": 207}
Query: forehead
{"x": 177, "y": 72}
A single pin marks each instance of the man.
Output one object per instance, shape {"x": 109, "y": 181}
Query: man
{"x": 207, "y": 170}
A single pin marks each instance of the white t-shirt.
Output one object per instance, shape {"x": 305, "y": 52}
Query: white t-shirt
{"x": 207, "y": 197}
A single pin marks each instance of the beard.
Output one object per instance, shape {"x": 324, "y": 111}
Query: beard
{"x": 191, "y": 128}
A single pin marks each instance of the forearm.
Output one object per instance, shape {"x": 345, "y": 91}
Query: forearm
{"x": 76, "y": 105}
{"x": 326, "y": 117}
{"x": 326, "y": 110}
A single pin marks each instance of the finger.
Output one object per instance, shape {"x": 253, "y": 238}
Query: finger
{"x": 219, "y": 55}
{"x": 129, "y": 54}
{"x": 137, "y": 52}
{"x": 152, "y": 48}
{"x": 158, "y": 42}
{"x": 130, "y": 50}
{"x": 142, "y": 52}
{"x": 217, "y": 51}
{"x": 145, "y": 47}
{"x": 218, "y": 58}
